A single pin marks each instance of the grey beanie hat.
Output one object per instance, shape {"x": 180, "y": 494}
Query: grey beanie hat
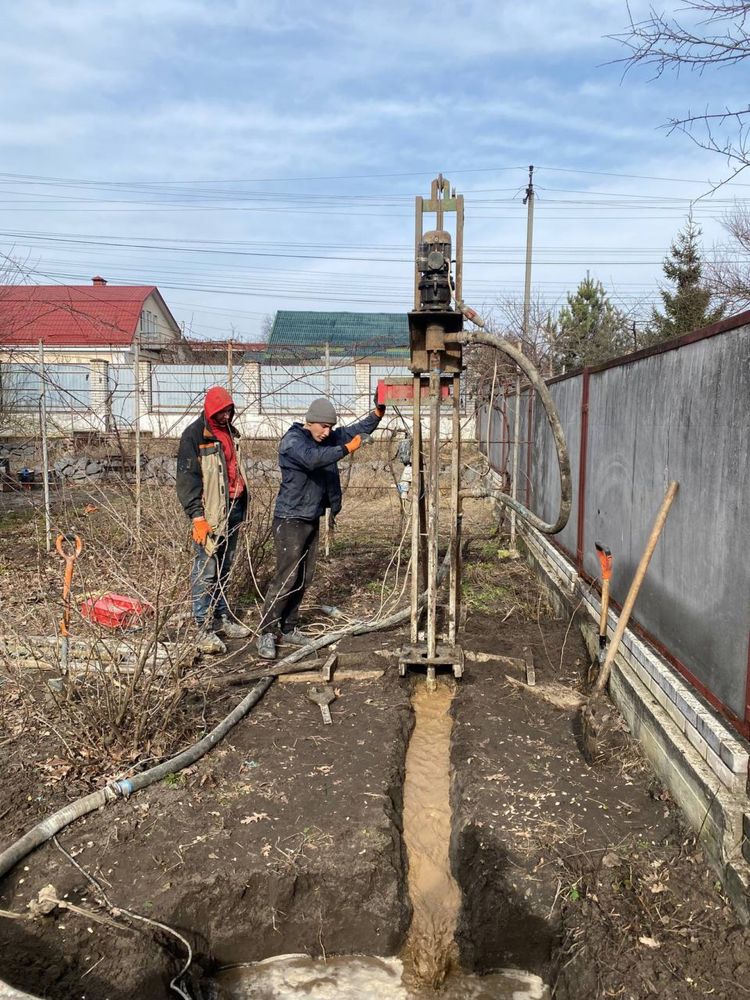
{"x": 321, "y": 411}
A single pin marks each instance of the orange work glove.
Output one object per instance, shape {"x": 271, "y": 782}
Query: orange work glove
{"x": 201, "y": 530}
{"x": 356, "y": 442}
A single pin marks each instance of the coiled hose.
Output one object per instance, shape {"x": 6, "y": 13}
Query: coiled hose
{"x": 563, "y": 459}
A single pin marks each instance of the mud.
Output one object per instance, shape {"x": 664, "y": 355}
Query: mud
{"x": 433, "y": 891}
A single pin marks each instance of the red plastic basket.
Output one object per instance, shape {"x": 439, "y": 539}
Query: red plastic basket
{"x": 115, "y": 610}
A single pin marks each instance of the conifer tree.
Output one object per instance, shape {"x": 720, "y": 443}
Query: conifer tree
{"x": 688, "y": 306}
{"x": 589, "y": 328}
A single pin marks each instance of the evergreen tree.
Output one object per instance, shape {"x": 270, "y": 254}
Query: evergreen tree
{"x": 589, "y": 328}
{"x": 688, "y": 307}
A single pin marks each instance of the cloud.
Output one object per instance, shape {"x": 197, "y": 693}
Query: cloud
{"x": 136, "y": 91}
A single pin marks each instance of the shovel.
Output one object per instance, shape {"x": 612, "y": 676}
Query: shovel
{"x": 323, "y": 696}
{"x": 605, "y": 561}
{"x": 76, "y": 547}
{"x": 590, "y": 724}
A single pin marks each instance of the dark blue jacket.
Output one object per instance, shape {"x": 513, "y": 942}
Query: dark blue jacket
{"x": 309, "y": 471}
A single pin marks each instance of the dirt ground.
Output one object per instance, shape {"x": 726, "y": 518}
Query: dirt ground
{"x": 287, "y": 838}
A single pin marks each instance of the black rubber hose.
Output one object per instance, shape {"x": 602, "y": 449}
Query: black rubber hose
{"x": 536, "y": 379}
{"x": 124, "y": 787}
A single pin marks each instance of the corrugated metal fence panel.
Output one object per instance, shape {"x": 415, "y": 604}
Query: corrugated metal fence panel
{"x": 681, "y": 415}
{"x": 291, "y": 388}
{"x": 545, "y": 467}
{"x": 122, "y": 395}
{"x": 67, "y": 387}
{"x": 181, "y": 388}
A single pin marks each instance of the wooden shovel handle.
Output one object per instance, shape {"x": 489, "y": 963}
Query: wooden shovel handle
{"x": 604, "y": 611}
{"x": 635, "y": 586}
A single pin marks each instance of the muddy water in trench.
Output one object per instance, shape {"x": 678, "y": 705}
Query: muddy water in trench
{"x": 428, "y": 968}
{"x": 435, "y": 897}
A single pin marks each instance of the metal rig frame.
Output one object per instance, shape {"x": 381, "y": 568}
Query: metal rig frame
{"x": 436, "y": 358}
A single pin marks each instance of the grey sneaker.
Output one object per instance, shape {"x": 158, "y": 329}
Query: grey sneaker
{"x": 296, "y": 638}
{"x": 266, "y": 646}
{"x": 210, "y": 644}
{"x": 232, "y": 629}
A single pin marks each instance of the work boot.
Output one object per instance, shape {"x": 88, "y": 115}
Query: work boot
{"x": 266, "y": 646}
{"x": 296, "y": 638}
{"x": 210, "y": 644}
{"x": 232, "y": 629}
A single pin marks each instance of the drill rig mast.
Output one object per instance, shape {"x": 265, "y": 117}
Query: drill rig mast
{"x": 436, "y": 365}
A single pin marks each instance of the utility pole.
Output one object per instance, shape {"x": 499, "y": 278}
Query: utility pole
{"x": 529, "y": 202}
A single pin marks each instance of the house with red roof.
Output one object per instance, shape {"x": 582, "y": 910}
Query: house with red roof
{"x": 81, "y": 323}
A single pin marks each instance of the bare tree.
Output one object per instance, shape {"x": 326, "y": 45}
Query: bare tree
{"x": 709, "y": 33}
{"x": 265, "y": 327}
{"x": 507, "y": 317}
{"x": 728, "y": 273}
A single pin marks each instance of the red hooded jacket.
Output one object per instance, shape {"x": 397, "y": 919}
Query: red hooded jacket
{"x": 218, "y": 399}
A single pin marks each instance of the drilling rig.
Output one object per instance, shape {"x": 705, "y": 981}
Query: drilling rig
{"x": 436, "y": 364}
{"x": 436, "y": 340}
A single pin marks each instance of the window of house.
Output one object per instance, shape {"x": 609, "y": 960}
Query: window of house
{"x": 148, "y": 322}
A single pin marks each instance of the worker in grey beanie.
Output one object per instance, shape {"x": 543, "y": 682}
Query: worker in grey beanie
{"x": 309, "y": 454}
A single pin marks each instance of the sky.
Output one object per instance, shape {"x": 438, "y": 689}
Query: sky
{"x": 258, "y": 155}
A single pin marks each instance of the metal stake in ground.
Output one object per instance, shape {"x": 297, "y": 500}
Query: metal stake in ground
{"x": 590, "y": 726}
{"x": 70, "y": 559}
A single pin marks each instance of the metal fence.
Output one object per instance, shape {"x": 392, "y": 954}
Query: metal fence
{"x": 121, "y": 388}
{"x": 66, "y": 387}
{"x": 170, "y": 392}
{"x": 291, "y": 388}
{"x": 679, "y": 412}
{"x": 179, "y": 388}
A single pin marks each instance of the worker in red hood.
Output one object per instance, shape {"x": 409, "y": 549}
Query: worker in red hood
{"x": 212, "y": 488}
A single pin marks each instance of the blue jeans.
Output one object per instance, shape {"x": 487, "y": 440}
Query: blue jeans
{"x": 209, "y": 575}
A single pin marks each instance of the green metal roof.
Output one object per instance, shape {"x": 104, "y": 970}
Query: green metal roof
{"x": 355, "y": 334}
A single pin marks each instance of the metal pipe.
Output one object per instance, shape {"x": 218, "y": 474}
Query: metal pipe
{"x": 416, "y": 490}
{"x": 433, "y": 499}
{"x": 454, "y": 587}
{"x": 137, "y": 373}
{"x": 45, "y": 453}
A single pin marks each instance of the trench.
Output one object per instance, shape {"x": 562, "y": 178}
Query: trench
{"x": 428, "y": 965}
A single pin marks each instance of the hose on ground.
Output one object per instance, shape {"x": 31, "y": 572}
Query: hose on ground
{"x": 563, "y": 458}
{"x": 124, "y": 787}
